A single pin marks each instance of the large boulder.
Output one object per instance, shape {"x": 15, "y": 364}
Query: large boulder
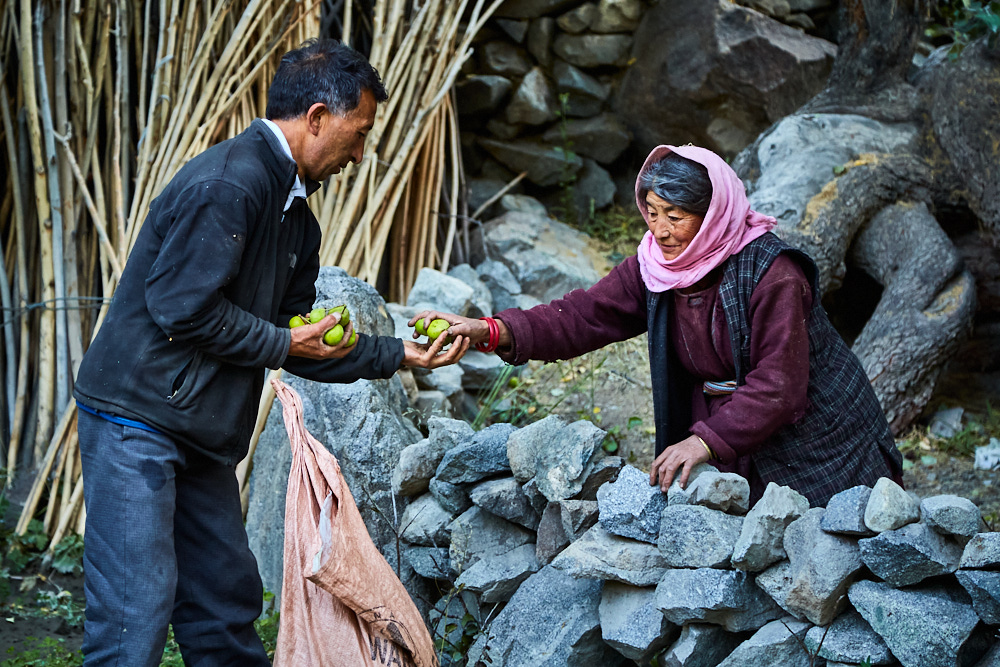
{"x": 761, "y": 540}
{"x": 548, "y": 258}
{"x": 360, "y": 423}
{"x": 724, "y": 597}
{"x": 600, "y": 555}
{"x": 631, "y": 623}
{"x": 725, "y": 74}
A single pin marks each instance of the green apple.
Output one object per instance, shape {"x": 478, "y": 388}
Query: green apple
{"x": 345, "y": 315}
{"x": 353, "y": 339}
{"x": 334, "y": 335}
{"x": 296, "y": 321}
{"x": 437, "y": 327}
{"x": 419, "y": 326}
{"x": 316, "y": 314}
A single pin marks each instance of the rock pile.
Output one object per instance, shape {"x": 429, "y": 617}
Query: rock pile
{"x": 574, "y": 559}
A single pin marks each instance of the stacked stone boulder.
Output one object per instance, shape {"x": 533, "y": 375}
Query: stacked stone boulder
{"x": 563, "y": 574}
{"x": 560, "y": 89}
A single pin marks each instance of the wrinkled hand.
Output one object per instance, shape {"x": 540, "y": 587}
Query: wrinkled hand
{"x": 307, "y": 340}
{"x": 683, "y": 456}
{"x": 477, "y": 331}
{"x": 429, "y": 355}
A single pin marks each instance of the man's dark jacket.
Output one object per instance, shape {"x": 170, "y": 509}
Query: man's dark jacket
{"x": 203, "y": 304}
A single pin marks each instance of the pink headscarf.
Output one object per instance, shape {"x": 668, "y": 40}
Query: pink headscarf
{"x": 728, "y": 226}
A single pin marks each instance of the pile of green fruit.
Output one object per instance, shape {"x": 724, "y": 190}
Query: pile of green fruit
{"x": 332, "y": 336}
{"x": 434, "y": 329}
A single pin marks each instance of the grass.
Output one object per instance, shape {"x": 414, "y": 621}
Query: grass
{"x": 977, "y": 432}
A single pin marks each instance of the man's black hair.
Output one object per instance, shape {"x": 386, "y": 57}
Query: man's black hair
{"x": 321, "y": 70}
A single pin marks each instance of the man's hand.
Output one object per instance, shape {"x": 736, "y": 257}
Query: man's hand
{"x": 424, "y": 355}
{"x": 683, "y": 456}
{"x": 307, "y": 340}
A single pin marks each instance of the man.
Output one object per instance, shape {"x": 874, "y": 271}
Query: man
{"x": 168, "y": 390}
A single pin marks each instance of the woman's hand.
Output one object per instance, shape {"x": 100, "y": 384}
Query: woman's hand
{"x": 476, "y": 331}
{"x": 683, "y": 456}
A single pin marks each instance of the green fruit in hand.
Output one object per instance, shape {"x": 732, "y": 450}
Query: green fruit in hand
{"x": 316, "y": 314}
{"x": 296, "y": 321}
{"x": 334, "y": 335}
{"x": 353, "y": 339}
{"x": 345, "y": 315}
{"x": 419, "y": 326}
{"x": 437, "y": 327}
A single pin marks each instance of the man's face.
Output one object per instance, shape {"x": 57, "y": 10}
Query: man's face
{"x": 338, "y": 140}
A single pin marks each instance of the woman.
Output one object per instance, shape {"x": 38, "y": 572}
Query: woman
{"x": 747, "y": 371}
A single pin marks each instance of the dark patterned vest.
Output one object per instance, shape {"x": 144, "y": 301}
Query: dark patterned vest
{"x": 843, "y": 439}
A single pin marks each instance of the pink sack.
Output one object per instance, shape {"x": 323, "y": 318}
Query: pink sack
{"x": 341, "y": 603}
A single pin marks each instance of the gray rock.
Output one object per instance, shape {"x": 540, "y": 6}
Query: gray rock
{"x": 524, "y": 445}
{"x": 563, "y": 522}
{"x": 425, "y": 522}
{"x": 725, "y": 81}
{"x": 951, "y": 515}
{"x": 436, "y": 290}
{"x": 480, "y": 370}
{"x": 606, "y": 469}
{"x": 617, "y": 16}
{"x": 700, "y": 645}
{"x": 602, "y": 137}
{"x": 585, "y": 95}
{"x": 982, "y": 552}
{"x": 777, "y": 643}
{"x": 481, "y": 94}
{"x": 535, "y": 497}
{"x": 483, "y": 456}
{"x": 924, "y": 625}
{"x": 452, "y": 497}
{"x": 890, "y": 507}
{"x": 496, "y": 578}
{"x": 540, "y": 34}
{"x": 446, "y": 379}
{"x": 417, "y": 463}
{"x": 546, "y": 165}
{"x": 593, "y": 50}
{"x": 594, "y": 189}
{"x": 430, "y": 403}
{"x": 630, "y": 507}
{"x": 516, "y": 30}
{"x": 988, "y": 457}
{"x": 724, "y": 597}
{"x": 429, "y": 562}
{"x": 631, "y": 623}
{"x": 822, "y": 567}
{"x": 505, "y": 498}
{"x": 909, "y": 554}
{"x": 845, "y": 513}
{"x": 483, "y": 189}
{"x": 501, "y": 282}
{"x": 946, "y": 423}
{"x": 984, "y": 589}
{"x": 848, "y": 639}
{"x": 533, "y": 103}
{"x": 695, "y": 536}
{"x": 505, "y": 59}
{"x": 482, "y": 300}
{"x": 577, "y": 20}
{"x": 370, "y": 410}
{"x": 477, "y": 534}
{"x": 529, "y": 9}
{"x": 528, "y": 634}
{"x": 600, "y": 555}
{"x": 548, "y": 258}
{"x": 504, "y": 131}
{"x": 706, "y": 486}
{"x": 777, "y": 581}
{"x": 562, "y": 466}
{"x": 524, "y": 204}
{"x": 761, "y": 540}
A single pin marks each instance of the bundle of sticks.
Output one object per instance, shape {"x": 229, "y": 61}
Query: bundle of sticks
{"x": 102, "y": 101}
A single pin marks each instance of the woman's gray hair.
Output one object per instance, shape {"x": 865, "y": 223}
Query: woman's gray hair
{"x": 679, "y": 181}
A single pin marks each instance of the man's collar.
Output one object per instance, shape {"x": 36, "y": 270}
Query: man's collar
{"x": 299, "y": 188}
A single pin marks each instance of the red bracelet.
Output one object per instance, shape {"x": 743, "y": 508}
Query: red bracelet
{"x": 494, "y": 336}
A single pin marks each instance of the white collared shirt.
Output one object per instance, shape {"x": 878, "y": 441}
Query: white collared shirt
{"x": 299, "y": 188}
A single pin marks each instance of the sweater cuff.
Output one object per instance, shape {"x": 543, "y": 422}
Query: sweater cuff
{"x": 284, "y": 344}
{"x": 723, "y": 452}
{"x": 522, "y": 339}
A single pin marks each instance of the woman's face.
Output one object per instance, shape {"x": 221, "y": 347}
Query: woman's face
{"x": 672, "y": 227}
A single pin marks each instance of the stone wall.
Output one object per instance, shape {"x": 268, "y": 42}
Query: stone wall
{"x": 576, "y": 92}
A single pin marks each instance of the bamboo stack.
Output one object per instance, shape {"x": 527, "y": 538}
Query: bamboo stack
{"x": 88, "y": 144}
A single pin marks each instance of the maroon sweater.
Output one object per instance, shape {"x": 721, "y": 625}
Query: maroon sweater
{"x": 614, "y": 309}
